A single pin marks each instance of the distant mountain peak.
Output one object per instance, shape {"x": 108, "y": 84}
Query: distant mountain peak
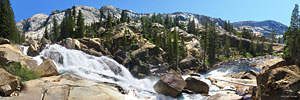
{"x": 265, "y": 27}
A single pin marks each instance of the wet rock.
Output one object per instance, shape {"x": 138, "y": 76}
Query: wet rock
{"x": 55, "y": 56}
{"x": 196, "y": 85}
{"x": 47, "y": 68}
{"x": 278, "y": 83}
{"x": 171, "y": 84}
{"x": 8, "y": 83}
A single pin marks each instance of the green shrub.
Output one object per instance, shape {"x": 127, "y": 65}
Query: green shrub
{"x": 25, "y": 74}
{"x": 249, "y": 55}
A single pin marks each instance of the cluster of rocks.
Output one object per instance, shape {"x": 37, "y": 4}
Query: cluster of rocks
{"x": 276, "y": 81}
{"x": 172, "y": 84}
{"x": 35, "y": 47}
{"x": 51, "y": 85}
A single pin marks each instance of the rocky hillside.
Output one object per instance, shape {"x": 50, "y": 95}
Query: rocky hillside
{"x": 34, "y": 27}
{"x": 264, "y": 27}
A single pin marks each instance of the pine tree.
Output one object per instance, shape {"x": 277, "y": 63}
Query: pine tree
{"x": 183, "y": 51}
{"x": 123, "y": 16}
{"x": 46, "y": 35}
{"x": 203, "y": 41}
{"x": 170, "y": 47}
{"x": 212, "y": 45}
{"x": 191, "y": 27}
{"x": 258, "y": 47}
{"x": 279, "y": 40}
{"x": 292, "y": 39}
{"x": 55, "y": 31}
{"x": 272, "y": 39}
{"x": 252, "y": 48}
{"x": 176, "y": 48}
{"x": 70, "y": 25}
{"x": 80, "y": 25}
{"x": 241, "y": 47}
{"x": 8, "y": 28}
{"x": 108, "y": 22}
{"x": 226, "y": 47}
{"x": 63, "y": 29}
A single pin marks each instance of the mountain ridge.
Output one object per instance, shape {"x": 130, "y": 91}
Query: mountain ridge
{"x": 265, "y": 27}
{"x": 91, "y": 14}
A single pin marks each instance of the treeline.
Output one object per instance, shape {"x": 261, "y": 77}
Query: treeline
{"x": 72, "y": 26}
{"x": 292, "y": 39}
{"x": 8, "y": 28}
{"x": 165, "y": 37}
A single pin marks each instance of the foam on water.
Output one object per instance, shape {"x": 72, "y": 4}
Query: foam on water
{"x": 104, "y": 69}
{"x": 101, "y": 69}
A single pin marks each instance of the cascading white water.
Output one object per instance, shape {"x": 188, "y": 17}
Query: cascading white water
{"x": 104, "y": 69}
{"x": 101, "y": 69}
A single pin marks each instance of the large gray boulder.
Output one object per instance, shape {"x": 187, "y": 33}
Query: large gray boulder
{"x": 171, "y": 84}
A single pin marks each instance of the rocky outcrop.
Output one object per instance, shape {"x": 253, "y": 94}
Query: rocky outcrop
{"x": 33, "y": 50}
{"x": 196, "y": 85}
{"x": 276, "y": 62}
{"x": 8, "y": 83}
{"x": 67, "y": 88}
{"x": 12, "y": 52}
{"x": 47, "y": 68}
{"x": 171, "y": 84}
{"x": 278, "y": 83}
{"x": 144, "y": 59}
{"x": 36, "y": 46}
{"x": 93, "y": 46}
{"x": 33, "y": 23}
{"x": 4, "y": 41}
{"x": 189, "y": 62}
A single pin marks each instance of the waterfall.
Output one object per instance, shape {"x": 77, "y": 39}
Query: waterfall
{"x": 102, "y": 69}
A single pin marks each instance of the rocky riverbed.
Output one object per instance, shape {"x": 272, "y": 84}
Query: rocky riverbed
{"x": 69, "y": 74}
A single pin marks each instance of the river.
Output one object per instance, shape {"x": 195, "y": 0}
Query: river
{"x": 104, "y": 69}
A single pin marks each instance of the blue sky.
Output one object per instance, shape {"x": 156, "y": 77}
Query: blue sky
{"x": 233, "y": 10}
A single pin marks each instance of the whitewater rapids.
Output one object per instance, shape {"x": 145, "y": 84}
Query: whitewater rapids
{"x": 104, "y": 69}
